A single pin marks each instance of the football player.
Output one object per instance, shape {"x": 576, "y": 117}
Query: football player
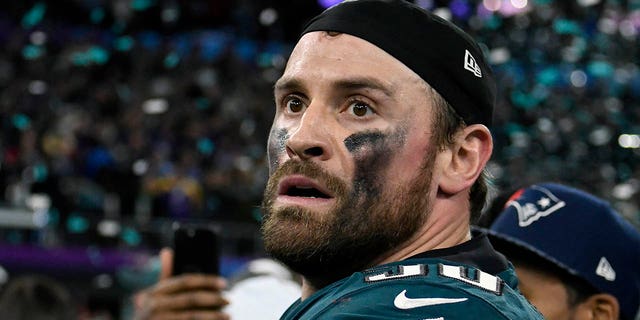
{"x": 376, "y": 155}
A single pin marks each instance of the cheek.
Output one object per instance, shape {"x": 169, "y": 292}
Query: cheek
{"x": 547, "y": 294}
{"x": 364, "y": 142}
{"x": 372, "y": 152}
{"x": 375, "y": 143}
{"x": 277, "y": 146}
{"x": 548, "y": 303}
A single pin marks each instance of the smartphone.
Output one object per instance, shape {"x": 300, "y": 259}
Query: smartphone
{"x": 195, "y": 249}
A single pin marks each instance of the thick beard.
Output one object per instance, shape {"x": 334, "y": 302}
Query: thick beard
{"x": 363, "y": 225}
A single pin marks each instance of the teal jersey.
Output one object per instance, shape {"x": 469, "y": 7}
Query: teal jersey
{"x": 445, "y": 284}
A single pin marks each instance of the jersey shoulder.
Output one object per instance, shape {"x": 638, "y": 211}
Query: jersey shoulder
{"x": 418, "y": 290}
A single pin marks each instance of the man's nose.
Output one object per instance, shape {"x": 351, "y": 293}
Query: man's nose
{"x": 311, "y": 139}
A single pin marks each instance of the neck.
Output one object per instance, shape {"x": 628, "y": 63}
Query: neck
{"x": 445, "y": 227}
{"x": 430, "y": 237}
{"x": 307, "y": 289}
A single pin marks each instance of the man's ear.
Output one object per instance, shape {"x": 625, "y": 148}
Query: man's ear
{"x": 601, "y": 306}
{"x": 467, "y": 158}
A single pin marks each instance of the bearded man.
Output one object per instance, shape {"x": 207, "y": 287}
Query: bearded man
{"x": 376, "y": 156}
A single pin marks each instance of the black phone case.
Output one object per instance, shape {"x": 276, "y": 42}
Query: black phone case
{"x": 195, "y": 250}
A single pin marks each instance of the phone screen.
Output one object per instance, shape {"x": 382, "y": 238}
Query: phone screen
{"x": 195, "y": 249}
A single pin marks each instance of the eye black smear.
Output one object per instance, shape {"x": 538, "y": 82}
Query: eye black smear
{"x": 277, "y": 145}
{"x": 361, "y": 140}
{"x": 372, "y": 152}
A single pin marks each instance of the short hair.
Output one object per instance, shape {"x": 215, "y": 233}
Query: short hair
{"x": 446, "y": 123}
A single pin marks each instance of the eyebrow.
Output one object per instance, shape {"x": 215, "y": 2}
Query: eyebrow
{"x": 354, "y": 83}
{"x": 288, "y": 84}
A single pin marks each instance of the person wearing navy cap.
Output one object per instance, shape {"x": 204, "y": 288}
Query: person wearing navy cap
{"x": 575, "y": 256}
{"x": 376, "y": 169}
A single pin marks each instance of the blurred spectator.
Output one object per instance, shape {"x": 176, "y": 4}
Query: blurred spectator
{"x": 576, "y": 257}
{"x": 37, "y": 297}
{"x": 260, "y": 289}
{"x": 263, "y": 289}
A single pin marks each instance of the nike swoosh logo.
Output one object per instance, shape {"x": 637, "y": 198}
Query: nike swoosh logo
{"x": 402, "y": 302}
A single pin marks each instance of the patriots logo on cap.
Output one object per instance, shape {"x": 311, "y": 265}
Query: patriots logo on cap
{"x": 471, "y": 64}
{"x": 531, "y": 208}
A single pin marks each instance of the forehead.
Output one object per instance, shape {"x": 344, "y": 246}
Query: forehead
{"x": 321, "y": 56}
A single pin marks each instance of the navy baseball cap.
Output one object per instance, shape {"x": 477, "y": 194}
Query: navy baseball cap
{"x": 579, "y": 233}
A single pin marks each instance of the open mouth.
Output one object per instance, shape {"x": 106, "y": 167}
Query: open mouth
{"x": 302, "y": 187}
{"x": 305, "y": 192}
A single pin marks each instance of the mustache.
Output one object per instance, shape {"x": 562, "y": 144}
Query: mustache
{"x": 311, "y": 170}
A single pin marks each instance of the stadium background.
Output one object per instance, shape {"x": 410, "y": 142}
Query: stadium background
{"x": 121, "y": 116}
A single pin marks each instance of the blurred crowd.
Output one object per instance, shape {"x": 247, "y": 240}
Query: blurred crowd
{"x": 118, "y": 114}
{"x": 119, "y": 117}
{"x": 569, "y": 95}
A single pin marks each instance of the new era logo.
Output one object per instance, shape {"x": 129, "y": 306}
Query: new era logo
{"x": 605, "y": 270}
{"x": 471, "y": 64}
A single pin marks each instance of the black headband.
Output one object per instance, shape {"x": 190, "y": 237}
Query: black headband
{"x": 439, "y": 52}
